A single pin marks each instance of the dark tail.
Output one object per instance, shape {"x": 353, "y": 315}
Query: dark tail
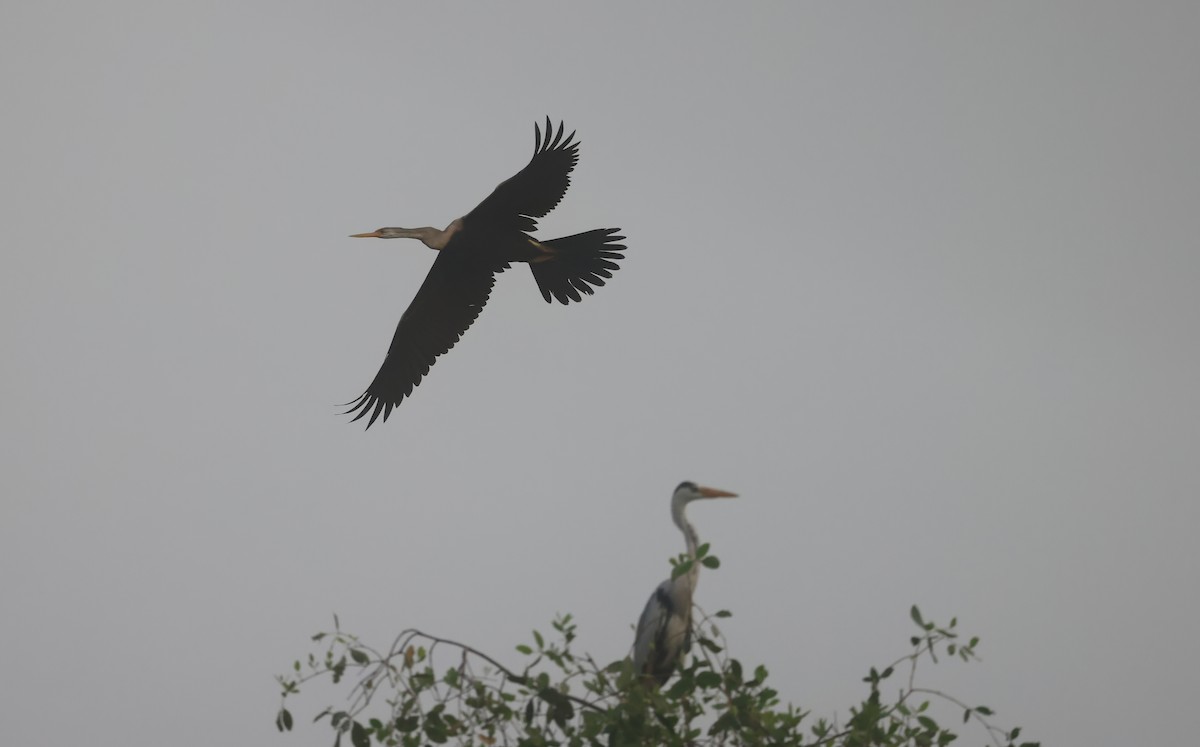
{"x": 578, "y": 263}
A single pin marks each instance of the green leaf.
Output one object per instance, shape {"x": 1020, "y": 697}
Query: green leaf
{"x": 735, "y": 673}
{"x": 966, "y": 715}
{"x": 338, "y": 670}
{"x": 408, "y": 724}
{"x": 916, "y": 616}
{"x": 522, "y": 648}
{"x": 538, "y": 637}
{"x": 722, "y": 613}
{"x": 560, "y": 710}
{"x": 707, "y": 679}
{"x": 436, "y": 730}
{"x": 702, "y": 550}
{"x": 711, "y": 561}
{"x": 727, "y": 722}
{"x": 984, "y": 710}
{"x": 283, "y": 721}
{"x": 359, "y": 656}
{"x": 682, "y": 686}
{"x": 681, "y": 569}
{"x": 318, "y": 636}
{"x": 359, "y": 735}
{"x": 928, "y": 723}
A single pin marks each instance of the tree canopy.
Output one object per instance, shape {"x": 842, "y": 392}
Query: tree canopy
{"x": 424, "y": 689}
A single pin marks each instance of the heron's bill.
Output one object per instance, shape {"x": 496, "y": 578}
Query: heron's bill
{"x": 715, "y": 493}
{"x": 371, "y": 235}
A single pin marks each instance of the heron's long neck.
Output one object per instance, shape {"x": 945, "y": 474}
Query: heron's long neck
{"x": 689, "y": 536}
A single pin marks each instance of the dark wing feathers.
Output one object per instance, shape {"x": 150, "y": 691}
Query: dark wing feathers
{"x": 454, "y": 292}
{"x": 534, "y": 190}
{"x": 580, "y": 262}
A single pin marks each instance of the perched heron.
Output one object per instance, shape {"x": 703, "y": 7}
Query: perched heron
{"x": 472, "y": 250}
{"x": 664, "y": 631}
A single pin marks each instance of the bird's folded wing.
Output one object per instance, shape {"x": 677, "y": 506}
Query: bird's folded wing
{"x": 651, "y": 629}
{"x": 454, "y": 292}
{"x": 534, "y": 190}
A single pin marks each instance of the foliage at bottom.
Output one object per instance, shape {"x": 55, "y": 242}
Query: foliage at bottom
{"x": 428, "y": 690}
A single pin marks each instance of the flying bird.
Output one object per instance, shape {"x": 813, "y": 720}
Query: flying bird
{"x": 664, "y": 631}
{"x": 472, "y": 250}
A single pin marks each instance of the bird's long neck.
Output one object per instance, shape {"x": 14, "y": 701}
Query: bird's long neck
{"x": 434, "y": 238}
{"x": 679, "y": 515}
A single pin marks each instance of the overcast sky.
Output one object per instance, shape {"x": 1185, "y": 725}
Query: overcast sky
{"x": 918, "y": 281}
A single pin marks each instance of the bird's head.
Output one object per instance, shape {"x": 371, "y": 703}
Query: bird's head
{"x": 689, "y": 491}
{"x": 384, "y": 233}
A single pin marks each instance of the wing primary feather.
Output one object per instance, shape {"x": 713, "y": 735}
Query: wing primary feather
{"x": 353, "y": 402}
{"x": 537, "y": 138}
{"x": 557, "y": 137}
{"x": 375, "y": 414}
{"x": 362, "y": 407}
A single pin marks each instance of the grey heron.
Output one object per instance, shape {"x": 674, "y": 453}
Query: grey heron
{"x": 472, "y": 250}
{"x": 664, "y": 630}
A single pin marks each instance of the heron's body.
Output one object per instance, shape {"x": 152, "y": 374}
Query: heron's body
{"x": 472, "y": 250}
{"x": 664, "y": 631}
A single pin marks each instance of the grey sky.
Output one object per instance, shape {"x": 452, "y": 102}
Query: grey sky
{"x": 919, "y": 282}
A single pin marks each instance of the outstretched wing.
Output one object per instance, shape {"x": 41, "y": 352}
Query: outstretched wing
{"x": 454, "y": 292}
{"x": 534, "y": 190}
